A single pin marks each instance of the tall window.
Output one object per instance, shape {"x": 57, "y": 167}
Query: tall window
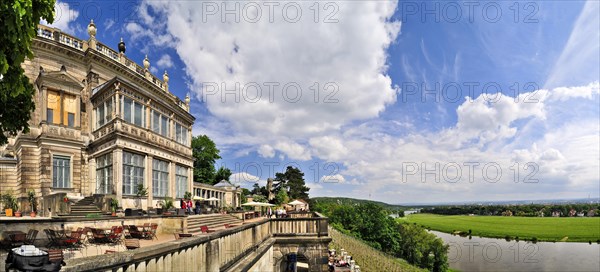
{"x": 160, "y": 178}
{"x": 61, "y": 172}
{"x": 160, "y": 123}
{"x": 181, "y": 178}
{"x": 61, "y": 109}
{"x": 104, "y": 181}
{"x": 133, "y": 112}
{"x": 103, "y": 113}
{"x": 133, "y": 172}
{"x": 70, "y": 108}
{"x": 181, "y": 134}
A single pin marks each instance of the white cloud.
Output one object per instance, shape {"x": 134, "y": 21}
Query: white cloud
{"x": 337, "y": 178}
{"x": 345, "y": 62}
{"x": 266, "y": 151}
{"x": 165, "y": 62}
{"x": 578, "y": 61}
{"x": 246, "y": 180}
{"x": 533, "y": 142}
{"x": 64, "y": 17}
{"x": 108, "y": 24}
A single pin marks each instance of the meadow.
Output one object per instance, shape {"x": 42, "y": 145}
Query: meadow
{"x": 553, "y": 229}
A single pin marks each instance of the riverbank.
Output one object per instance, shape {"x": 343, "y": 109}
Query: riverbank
{"x": 549, "y": 229}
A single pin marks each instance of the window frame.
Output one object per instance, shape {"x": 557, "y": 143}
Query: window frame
{"x": 160, "y": 181}
{"x": 131, "y": 119}
{"x": 181, "y": 188}
{"x": 65, "y": 169}
{"x": 132, "y": 173}
{"x": 106, "y": 169}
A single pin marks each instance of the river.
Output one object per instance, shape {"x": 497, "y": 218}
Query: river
{"x": 489, "y": 254}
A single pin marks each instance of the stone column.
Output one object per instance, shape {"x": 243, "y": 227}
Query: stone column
{"x": 148, "y": 115}
{"x": 44, "y": 103}
{"x": 190, "y": 178}
{"x": 118, "y": 173}
{"x": 172, "y": 181}
{"x": 149, "y": 183}
{"x": 117, "y": 104}
{"x": 92, "y": 183}
{"x": 77, "y": 112}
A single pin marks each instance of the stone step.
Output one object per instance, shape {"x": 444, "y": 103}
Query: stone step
{"x": 211, "y": 221}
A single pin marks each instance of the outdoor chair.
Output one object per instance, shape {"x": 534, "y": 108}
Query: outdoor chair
{"x": 134, "y": 232}
{"x": 100, "y": 237}
{"x": 205, "y": 229}
{"x": 56, "y": 256}
{"x": 115, "y": 235}
{"x": 132, "y": 244}
{"x": 17, "y": 239}
{"x": 52, "y": 238}
{"x": 31, "y": 235}
{"x": 152, "y": 232}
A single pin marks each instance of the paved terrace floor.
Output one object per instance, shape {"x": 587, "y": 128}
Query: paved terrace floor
{"x": 94, "y": 249}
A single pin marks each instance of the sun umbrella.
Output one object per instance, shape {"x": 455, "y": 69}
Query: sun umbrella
{"x": 212, "y": 199}
{"x": 261, "y": 204}
{"x": 251, "y": 203}
{"x": 198, "y": 198}
{"x": 296, "y": 202}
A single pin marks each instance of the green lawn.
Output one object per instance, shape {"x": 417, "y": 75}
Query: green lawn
{"x": 575, "y": 229}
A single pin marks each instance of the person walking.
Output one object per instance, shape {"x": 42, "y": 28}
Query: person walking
{"x": 188, "y": 205}
{"x": 198, "y": 208}
{"x": 183, "y": 205}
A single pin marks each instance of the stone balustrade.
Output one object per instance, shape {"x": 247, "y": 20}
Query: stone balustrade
{"x": 225, "y": 250}
{"x": 145, "y": 134}
{"x": 55, "y": 34}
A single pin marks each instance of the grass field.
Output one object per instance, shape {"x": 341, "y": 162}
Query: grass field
{"x": 569, "y": 229}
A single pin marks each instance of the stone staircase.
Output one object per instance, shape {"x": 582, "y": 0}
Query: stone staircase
{"x": 213, "y": 221}
{"x": 84, "y": 207}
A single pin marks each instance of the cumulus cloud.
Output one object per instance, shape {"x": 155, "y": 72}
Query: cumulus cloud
{"x": 165, "y": 61}
{"x": 500, "y": 147}
{"x": 337, "y": 178}
{"x": 537, "y": 147}
{"x": 295, "y": 78}
{"x": 245, "y": 179}
{"x": 64, "y": 17}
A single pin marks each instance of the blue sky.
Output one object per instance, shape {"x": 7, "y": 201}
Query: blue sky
{"x": 416, "y": 102}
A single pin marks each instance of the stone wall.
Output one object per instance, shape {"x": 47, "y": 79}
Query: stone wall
{"x": 253, "y": 246}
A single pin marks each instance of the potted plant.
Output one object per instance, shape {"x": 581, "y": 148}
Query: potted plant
{"x": 114, "y": 205}
{"x": 166, "y": 205}
{"x": 10, "y": 203}
{"x": 140, "y": 193}
{"x": 33, "y": 202}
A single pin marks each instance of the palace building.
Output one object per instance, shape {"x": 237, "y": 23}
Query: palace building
{"x": 102, "y": 125}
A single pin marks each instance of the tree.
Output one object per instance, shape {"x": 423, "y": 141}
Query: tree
{"x": 281, "y": 197}
{"x": 293, "y": 179}
{"x": 18, "y": 23}
{"x": 245, "y": 194}
{"x": 205, "y": 153}
{"x": 222, "y": 174}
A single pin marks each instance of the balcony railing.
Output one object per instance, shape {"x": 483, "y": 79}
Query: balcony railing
{"x": 143, "y": 134}
{"x": 51, "y": 33}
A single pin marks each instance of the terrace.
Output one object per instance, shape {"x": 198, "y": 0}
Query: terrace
{"x": 229, "y": 248}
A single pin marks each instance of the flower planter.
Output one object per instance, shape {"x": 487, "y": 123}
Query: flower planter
{"x": 8, "y": 212}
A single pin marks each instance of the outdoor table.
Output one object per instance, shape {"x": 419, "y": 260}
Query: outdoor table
{"x": 144, "y": 228}
{"x": 30, "y": 260}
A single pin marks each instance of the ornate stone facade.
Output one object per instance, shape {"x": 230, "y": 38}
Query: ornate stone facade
{"x": 102, "y": 125}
